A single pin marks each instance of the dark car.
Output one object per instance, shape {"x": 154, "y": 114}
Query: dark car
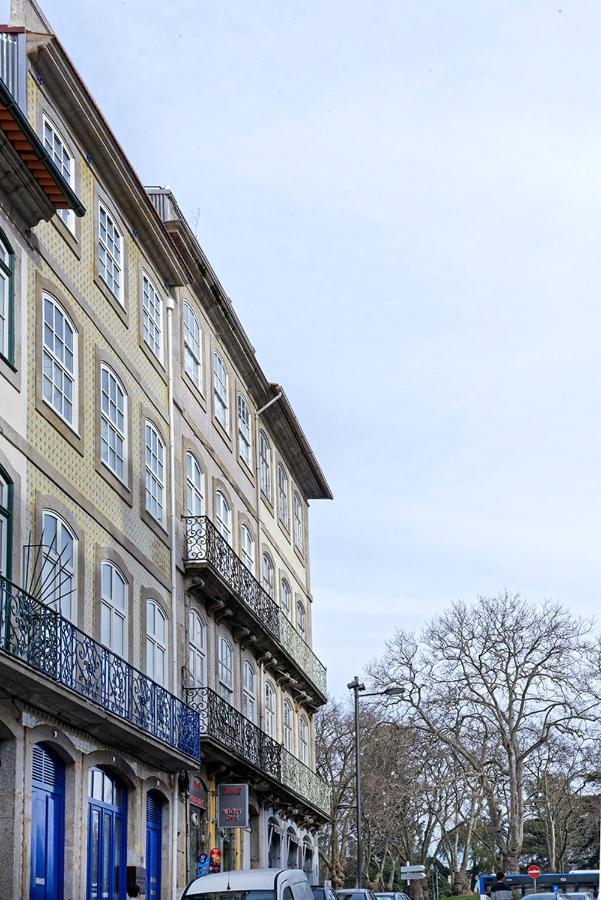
{"x": 391, "y": 895}
{"x": 356, "y": 894}
{"x": 323, "y": 892}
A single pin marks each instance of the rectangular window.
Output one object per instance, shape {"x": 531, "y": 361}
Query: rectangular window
{"x": 113, "y": 436}
{"x": 265, "y": 465}
{"x": 283, "y": 512}
{"x": 152, "y": 318}
{"x": 220, "y": 391}
{"x": 244, "y": 431}
{"x": 7, "y": 275}
{"x": 297, "y": 512}
{"x": 59, "y": 360}
{"x": 155, "y": 473}
{"x": 62, "y": 159}
{"x": 192, "y": 348}
{"x": 110, "y": 252}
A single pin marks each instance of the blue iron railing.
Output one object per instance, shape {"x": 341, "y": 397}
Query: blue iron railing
{"x": 39, "y": 636}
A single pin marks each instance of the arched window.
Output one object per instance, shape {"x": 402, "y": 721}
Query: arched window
{"x": 288, "y": 719}
{"x": 156, "y": 642}
{"x": 293, "y": 849}
{"x": 192, "y": 345}
{"x": 113, "y": 423}
{"x": 270, "y": 710}
{"x": 155, "y": 472}
{"x": 197, "y": 639}
{"x": 221, "y": 391}
{"x": 59, "y": 568}
{"x": 107, "y": 836}
{"x": 110, "y": 252}
{"x": 152, "y": 318}
{"x": 301, "y": 618}
{"x": 297, "y": 512}
{"x": 7, "y": 298}
{"x": 244, "y": 438}
{"x": 6, "y": 515}
{"x": 113, "y": 612}
{"x": 64, "y": 162}
{"x": 283, "y": 511}
{"x": 286, "y": 597}
{"x": 247, "y": 548}
{"x": 195, "y": 487}
{"x": 59, "y": 361}
{"x": 249, "y": 691}
{"x": 223, "y": 516}
{"x": 267, "y": 574}
{"x": 225, "y": 669}
{"x": 303, "y": 740}
{"x": 265, "y": 465}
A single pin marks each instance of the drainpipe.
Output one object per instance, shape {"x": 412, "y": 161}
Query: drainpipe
{"x": 174, "y": 809}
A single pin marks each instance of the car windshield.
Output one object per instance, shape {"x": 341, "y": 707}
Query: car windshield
{"x": 231, "y": 895}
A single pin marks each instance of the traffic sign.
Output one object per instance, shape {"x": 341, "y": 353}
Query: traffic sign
{"x": 534, "y": 872}
{"x": 413, "y": 876}
{"x": 405, "y": 869}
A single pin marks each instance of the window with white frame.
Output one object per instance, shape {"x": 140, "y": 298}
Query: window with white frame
{"x": 221, "y": 391}
{"x": 223, "y": 516}
{"x": 59, "y": 566}
{"x": 267, "y": 574}
{"x": 59, "y": 361}
{"x": 152, "y": 318}
{"x": 283, "y": 511}
{"x": 113, "y": 423}
{"x": 64, "y": 162}
{"x": 195, "y": 486}
{"x": 270, "y": 715}
{"x": 301, "y": 617}
{"x": 247, "y": 548}
{"x": 303, "y": 740}
{"x": 249, "y": 691}
{"x": 110, "y": 252}
{"x": 225, "y": 669}
{"x": 113, "y": 611}
{"x": 7, "y": 291}
{"x": 156, "y": 642}
{"x": 155, "y": 472}
{"x": 192, "y": 345}
{"x": 265, "y": 465}
{"x": 288, "y": 720}
{"x": 244, "y": 433}
{"x": 286, "y": 597}
{"x": 297, "y": 513}
{"x": 197, "y": 642}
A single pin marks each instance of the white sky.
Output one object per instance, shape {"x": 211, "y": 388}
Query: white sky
{"x": 403, "y": 200}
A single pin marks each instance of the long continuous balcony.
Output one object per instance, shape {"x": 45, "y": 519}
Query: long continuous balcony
{"x": 207, "y": 548}
{"x": 227, "y": 727}
{"x": 47, "y": 643}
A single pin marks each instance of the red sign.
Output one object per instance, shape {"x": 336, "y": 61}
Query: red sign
{"x": 534, "y": 872}
{"x": 198, "y": 793}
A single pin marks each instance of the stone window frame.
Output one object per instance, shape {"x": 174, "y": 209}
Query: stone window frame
{"x": 267, "y": 498}
{"x": 301, "y": 551}
{"x": 284, "y": 526}
{"x": 196, "y": 610}
{"x": 268, "y": 553}
{"x": 109, "y": 554}
{"x": 146, "y": 594}
{"x": 148, "y": 273}
{"x": 248, "y": 659}
{"x": 74, "y": 435}
{"x": 189, "y": 446}
{"x": 247, "y": 467}
{"x": 10, "y": 366}
{"x": 121, "y": 307}
{"x": 123, "y": 488}
{"x": 288, "y": 701}
{"x": 53, "y": 504}
{"x": 161, "y": 529}
{"x": 244, "y": 519}
{"x": 223, "y": 488}
{"x": 14, "y": 478}
{"x": 224, "y": 635}
{"x": 199, "y": 390}
{"x": 225, "y": 433}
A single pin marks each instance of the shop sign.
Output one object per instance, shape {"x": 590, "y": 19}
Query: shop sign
{"x": 232, "y": 806}
{"x": 198, "y": 793}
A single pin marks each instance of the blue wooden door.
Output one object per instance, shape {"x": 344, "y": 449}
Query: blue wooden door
{"x": 47, "y": 825}
{"x": 107, "y": 819}
{"x": 153, "y": 846}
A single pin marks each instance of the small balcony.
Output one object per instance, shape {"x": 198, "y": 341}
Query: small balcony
{"x": 227, "y": 728}
{"x": 233, "y": 583}
{"x": 90, "y": 686}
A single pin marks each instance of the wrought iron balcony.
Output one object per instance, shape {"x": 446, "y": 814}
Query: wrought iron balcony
{"x": 37, "y": 635}
{"x": 207, "y": 547}
{"x": 225, "y": 725}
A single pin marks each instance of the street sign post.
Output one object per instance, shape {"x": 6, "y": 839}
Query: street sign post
{"x": 534, "y": 872}
{"x": 412, "y": 873}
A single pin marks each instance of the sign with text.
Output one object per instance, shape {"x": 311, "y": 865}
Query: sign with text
{"x": 198, "y": 793}
{"x": 232, "y": 806}
{"x": 534, "y": 871}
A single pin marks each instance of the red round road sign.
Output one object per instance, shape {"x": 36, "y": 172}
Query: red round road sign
{"x": 534, "y": 872}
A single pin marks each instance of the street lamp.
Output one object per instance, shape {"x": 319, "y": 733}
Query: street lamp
{"x": 359, "y": 688}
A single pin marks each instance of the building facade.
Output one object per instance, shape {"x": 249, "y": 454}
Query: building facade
{"x": 156, "y": 624}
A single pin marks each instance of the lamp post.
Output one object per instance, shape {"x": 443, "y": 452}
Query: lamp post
{"x": 358, "y": 688}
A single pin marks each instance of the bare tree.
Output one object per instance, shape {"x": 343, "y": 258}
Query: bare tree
{"x": 501, "y": 675}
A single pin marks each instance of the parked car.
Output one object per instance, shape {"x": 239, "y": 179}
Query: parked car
{"x": 356, "y": 894}
{"x": 251, "y": 884}
{"x": 391, "y": 895}
{"x": 324, "y": 892}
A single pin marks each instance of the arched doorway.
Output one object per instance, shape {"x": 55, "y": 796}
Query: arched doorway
{"x": 47, "y": 824}
{"x": 107, "y": 835}
{"x": 154, "y": 828}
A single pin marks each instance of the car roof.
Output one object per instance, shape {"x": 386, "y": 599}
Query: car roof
{"x": 245, "y": 880}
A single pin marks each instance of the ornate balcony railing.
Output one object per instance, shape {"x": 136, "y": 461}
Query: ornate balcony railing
{"x": 305, "y": 782}
{"x": 39, "y": 636}
{"x": 222, "y": 722}
{"x": 205, "y": 544}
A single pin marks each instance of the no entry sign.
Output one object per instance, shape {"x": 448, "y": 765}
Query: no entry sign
{"x": 534, "y": 872}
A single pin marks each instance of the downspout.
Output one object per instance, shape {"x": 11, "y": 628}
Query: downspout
{"x": 174, "y": 785}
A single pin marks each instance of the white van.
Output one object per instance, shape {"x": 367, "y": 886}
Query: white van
{"x": 251, "y": 884}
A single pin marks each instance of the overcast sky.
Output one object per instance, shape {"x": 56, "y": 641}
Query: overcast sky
{"x": 403, "y": 200}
